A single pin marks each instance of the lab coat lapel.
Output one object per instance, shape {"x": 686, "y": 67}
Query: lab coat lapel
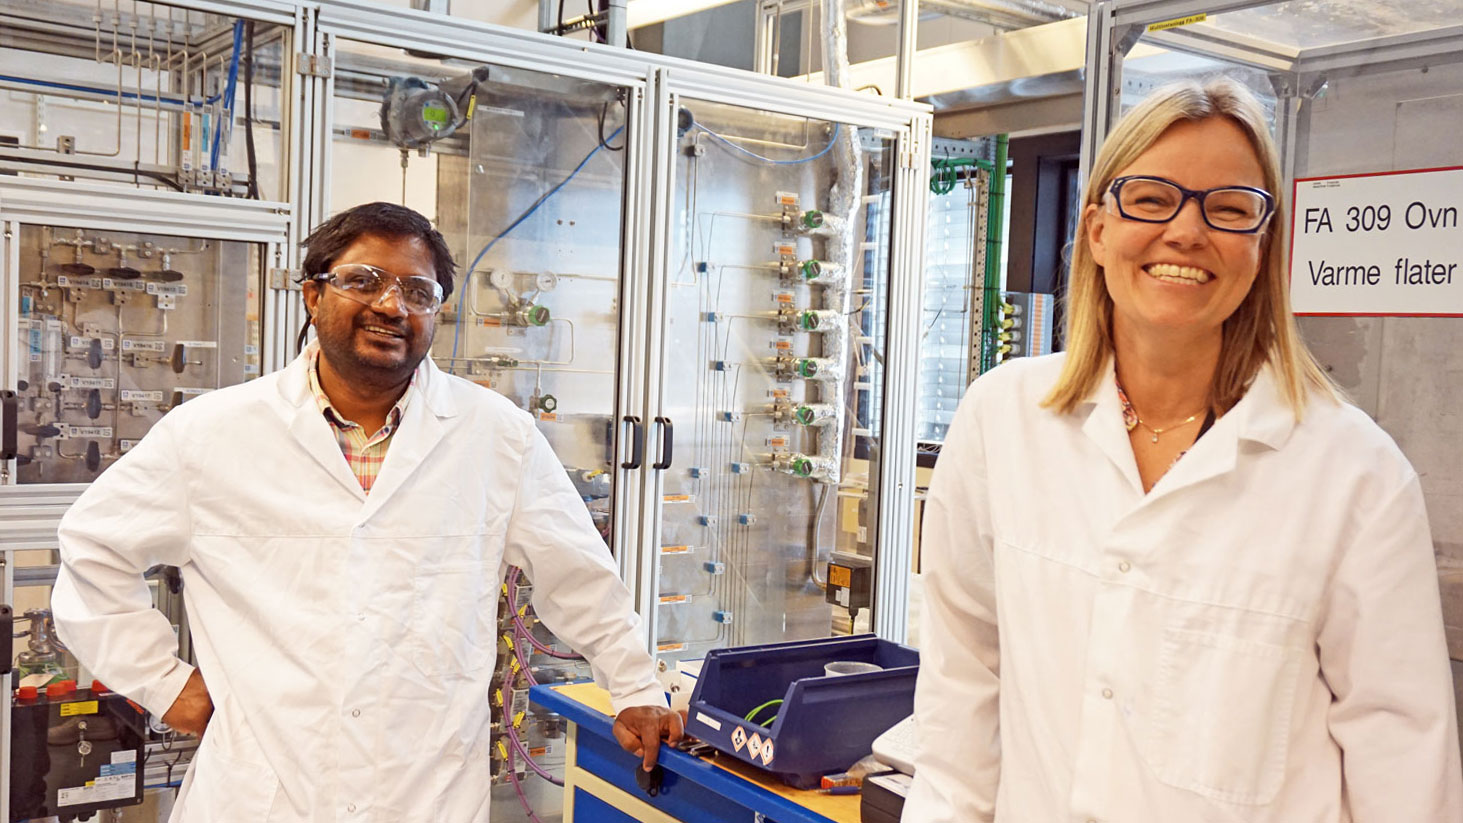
{"x": 309, "y": 427}
{"x": 1104, "y": 427}
{"x": 1262, "y": 417}
{"x": 421, "y": 429}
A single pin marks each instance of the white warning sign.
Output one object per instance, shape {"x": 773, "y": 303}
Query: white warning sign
{"x": 754, "y": 745}
{"x": 766, "y": 752}
{"x": 739, "y": 737}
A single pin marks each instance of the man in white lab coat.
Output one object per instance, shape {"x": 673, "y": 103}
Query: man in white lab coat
{"x": 342, "y": 527}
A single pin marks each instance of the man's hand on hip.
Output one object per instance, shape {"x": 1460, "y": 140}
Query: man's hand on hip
{"x": 190, "y": 712}
{"x": 640, "y": 729}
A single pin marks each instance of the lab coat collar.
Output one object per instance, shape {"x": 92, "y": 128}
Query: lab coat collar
{"x": 1262, "y": 416}
{"x": 420, "y": 429}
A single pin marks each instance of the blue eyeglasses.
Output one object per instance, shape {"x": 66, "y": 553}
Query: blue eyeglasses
{"x": 1237, "y": 209}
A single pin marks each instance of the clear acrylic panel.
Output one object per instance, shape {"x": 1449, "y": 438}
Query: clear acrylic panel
{"x": 772, "y": 377}
{"x": 115, "y": 329}
{"x": 1305, "y": 24}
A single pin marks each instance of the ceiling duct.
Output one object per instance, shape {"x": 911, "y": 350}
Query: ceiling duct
{"x": 1003, "y": 14}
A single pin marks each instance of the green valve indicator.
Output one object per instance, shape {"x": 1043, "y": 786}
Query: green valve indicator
{"x": 537, "y": 315}
{"x": 812, "y": 269}
{"x": 802, "y": 467}
{"x": 805, "y": 415}
{"x": 812, "y": 219}
{"x": 808, "y": 320}
{"x": 807, "y": 368}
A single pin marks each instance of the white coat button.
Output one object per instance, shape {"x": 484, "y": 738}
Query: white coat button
{"x": 351, "y": 808}
{"x": 1107, "y": 693}
{"x": 1124, "y": 567}
{"x": 355, "y": 712}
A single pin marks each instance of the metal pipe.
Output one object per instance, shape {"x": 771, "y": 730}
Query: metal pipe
{"x": 908, "y": 45}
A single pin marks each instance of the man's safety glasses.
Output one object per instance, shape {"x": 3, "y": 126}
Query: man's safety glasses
{"x": 1239, "y": 209}
{"x": 367, "y": 284}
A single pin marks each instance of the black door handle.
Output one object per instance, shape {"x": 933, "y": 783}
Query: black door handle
{"x": 7, "y": 647}
{"x": 637, "y": 443}
{"x": 9, "y": 417}
{"x": 667, "y": 443}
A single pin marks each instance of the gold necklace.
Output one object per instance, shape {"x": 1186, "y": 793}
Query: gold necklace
{"x": 1156, "y": 432}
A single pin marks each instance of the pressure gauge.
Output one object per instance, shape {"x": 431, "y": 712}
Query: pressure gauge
{"x": 500, "y": 279}
{"x": 546, "y": 281}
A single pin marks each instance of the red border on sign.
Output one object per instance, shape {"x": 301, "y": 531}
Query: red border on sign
{"x": 1290, "y": 261}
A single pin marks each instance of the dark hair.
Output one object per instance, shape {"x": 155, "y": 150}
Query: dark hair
{"x": 336, "y": 235}
{"x": 380, "y": 219}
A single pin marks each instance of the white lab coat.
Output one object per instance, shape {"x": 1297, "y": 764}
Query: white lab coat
{"x": 347, "y": 641}
{"x": 1257, "y": 639}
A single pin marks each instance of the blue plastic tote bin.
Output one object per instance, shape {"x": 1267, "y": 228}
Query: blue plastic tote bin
{"x": 824, "y": 724}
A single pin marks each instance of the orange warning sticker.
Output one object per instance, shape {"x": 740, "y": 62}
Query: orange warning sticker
{"x": 674, "y": 549}
{"x": 676, "y": 498}
{"x": 840, "y": 576}
{"x": 667, "y": 648}
{"x": 777, "y": 442}
{"x": 675, "y": 598}
{"x": 784, "y": 297}
{"x": 548, "y": 417}
{"x": 782, "y": 345}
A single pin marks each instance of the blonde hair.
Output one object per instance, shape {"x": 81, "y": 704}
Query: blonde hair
{"x": 1261, "y": 330}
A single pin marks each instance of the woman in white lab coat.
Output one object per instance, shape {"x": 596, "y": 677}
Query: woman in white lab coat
{"x": 1172, "y": 575}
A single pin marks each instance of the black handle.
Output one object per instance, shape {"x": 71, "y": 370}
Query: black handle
{"x": 637, "y": 447}
{"x": 667, "y": 443}
{"x": 9, "y": 418}
{"x": 7, "y": 645}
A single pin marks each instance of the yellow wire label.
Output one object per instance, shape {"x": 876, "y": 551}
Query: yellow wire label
{"x": 1177, "y": 22}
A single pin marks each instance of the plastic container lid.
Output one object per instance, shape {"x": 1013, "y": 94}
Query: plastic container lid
{"x": 55, "y": 691}
{"x": 27, "y": 693}
{"x": 842, "y": 667}
{"x": 98, "y": 688}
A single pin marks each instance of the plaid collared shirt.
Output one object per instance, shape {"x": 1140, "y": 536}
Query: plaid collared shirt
{"x": 364, "y": 453}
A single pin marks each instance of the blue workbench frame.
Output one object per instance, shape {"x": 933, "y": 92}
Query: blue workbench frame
{"x": 692, "y": 789}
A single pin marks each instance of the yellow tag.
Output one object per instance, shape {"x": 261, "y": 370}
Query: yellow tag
{"x": 674, "y": 549}
{"x": 472, "y": 104}
{"x": 548, "y": 417}
{"x": 677, "y": 498}
{"x": 1181, "y": 21}
{"x": 83, "y": 707}
{"x": 675, "y": 598}
{"x": 666, "y": 648}
{"x": 840, "y": 576}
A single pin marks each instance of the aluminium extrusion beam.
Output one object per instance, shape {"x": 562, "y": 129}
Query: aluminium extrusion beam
{"x": 894, "y": 523}
{"x": 659, "y": 148}
{"x": 1383, "y": 54}
{"x": 908, "y": 45}
{"x": 1144, "y": 12}
{"x": 638, "y": 256}
{"x": 86, "y": 206}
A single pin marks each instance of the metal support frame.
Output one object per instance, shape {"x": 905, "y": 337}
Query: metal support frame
{"x": 1115, "y": 26}
{"x": 908, "y": 45}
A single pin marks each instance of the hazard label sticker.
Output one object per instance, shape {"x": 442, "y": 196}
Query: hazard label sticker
{"x": 754, "y": 745}
{"x": 766, "y": 752}
{"x": 739, "y": 737}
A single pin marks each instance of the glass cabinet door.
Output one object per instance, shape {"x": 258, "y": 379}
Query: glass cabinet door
{"x": 769, "y": 392}
{"x": 114, "y": 329}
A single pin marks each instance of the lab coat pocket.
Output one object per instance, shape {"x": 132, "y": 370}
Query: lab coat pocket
{"x": 453, "y": 616}
{"x": 220, "y": 786}
{"x": 1222, "y": 710}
